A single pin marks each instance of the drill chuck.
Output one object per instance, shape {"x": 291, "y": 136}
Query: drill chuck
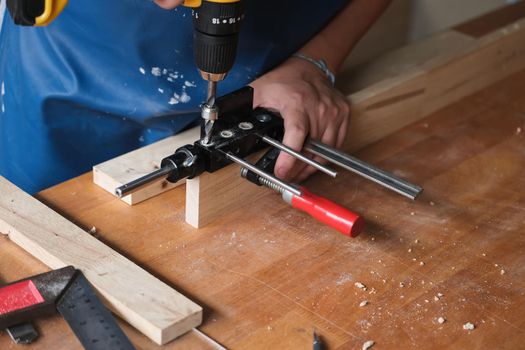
{"x": 217, "y": 26}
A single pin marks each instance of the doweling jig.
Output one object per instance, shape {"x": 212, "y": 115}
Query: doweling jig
{"x": 241, "y": 131}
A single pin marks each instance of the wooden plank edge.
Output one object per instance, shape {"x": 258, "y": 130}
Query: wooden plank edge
{"x": 148, "y": 304}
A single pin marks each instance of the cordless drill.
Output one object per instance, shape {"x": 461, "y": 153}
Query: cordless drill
{"x": 216, "y": 33}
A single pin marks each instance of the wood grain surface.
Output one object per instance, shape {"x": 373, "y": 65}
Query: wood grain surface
{"x": 157, "y": 310}
{"x": 266, "y": 275}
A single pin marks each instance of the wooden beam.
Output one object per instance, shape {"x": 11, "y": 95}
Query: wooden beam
{"x": 418, "y": 80}
{"x": 130, "y": 166}
{"x": 155, "y": 309}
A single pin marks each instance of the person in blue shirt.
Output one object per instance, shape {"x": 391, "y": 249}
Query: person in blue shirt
{"x": 91, "y": 85}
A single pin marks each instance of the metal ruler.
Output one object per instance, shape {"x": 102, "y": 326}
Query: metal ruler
{"x": 91, "y": 322}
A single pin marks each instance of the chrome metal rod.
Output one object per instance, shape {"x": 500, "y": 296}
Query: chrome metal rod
{"x": 299, "y": 156}
{"x": 363, "y": 169}
{"x": 141, "y": 182}
{"x": 262, "y": 173}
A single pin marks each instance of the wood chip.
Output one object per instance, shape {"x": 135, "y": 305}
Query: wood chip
{"x": 468, "y": 326}
{"x": 363, "y": 303}
{"x": 360, "y": 285}
{"x": 441, "y": 320}
{"x": 367, "y": 344}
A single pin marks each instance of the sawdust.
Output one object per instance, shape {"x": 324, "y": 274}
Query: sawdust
{"x": 363, "y": 303}
{"x": 502, "y": 272}
{"x": 360, "y": 286}
{"x": 367, "y": 344}
{"x": 344, "y": 278}
{"x": 441, "y": 320}
{"x": 469, "y": 326}
{"x": 421, "y": 263}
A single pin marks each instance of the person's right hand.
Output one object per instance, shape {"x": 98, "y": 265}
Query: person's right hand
{"x": 169, "y": 4}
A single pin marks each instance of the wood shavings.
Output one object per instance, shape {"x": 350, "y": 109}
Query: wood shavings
{"x": 367, "y": 344}
{"x": 439, "y": 295}
{"x": 360, "y": 285}
{"x": 441, "y": 320}
{"x": 363, "y": 303}
{"x": 468, "y": 326}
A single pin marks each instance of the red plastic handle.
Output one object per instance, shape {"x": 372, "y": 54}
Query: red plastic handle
{"x": 329, "y": 213}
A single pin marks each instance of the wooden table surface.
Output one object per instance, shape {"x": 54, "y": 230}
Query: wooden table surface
{"x": 267, "y": 275}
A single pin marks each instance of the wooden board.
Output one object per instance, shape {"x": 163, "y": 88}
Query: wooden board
{"x": 130, "y": 166}
{"x": 448, "y": 67}
{"x": 151, "y": 306}
{"x": 267, "y": 275}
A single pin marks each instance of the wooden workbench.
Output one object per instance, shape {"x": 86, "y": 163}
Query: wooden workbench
{"x": 267, "y": 275}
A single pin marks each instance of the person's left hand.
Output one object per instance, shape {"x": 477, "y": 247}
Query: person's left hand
{"x": 309, "y": 105}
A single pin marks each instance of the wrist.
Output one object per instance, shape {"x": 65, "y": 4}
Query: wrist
{"x": 320, "y": 64}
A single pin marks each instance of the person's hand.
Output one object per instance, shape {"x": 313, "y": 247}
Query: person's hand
{"x": 169, "y": 4}
{"x": 309, "y": 105}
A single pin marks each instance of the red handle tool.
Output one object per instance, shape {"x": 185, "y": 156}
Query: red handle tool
{"x": 327, "y": 212}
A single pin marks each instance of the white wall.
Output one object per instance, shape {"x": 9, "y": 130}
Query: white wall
{"x": 406, "y": 21}
{"x": 2, "y": 10}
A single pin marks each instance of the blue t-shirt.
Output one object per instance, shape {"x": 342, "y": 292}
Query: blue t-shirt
{"x": 85, "y": 88}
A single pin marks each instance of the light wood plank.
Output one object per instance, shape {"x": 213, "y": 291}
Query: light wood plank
{"x": 155, "y": 309}
{"x": 130, "y": 166}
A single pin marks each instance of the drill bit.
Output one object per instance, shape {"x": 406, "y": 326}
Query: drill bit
{"x": 209, "y": 114}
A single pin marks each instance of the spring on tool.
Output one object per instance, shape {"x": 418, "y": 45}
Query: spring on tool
{"x": 271, "y": 185}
